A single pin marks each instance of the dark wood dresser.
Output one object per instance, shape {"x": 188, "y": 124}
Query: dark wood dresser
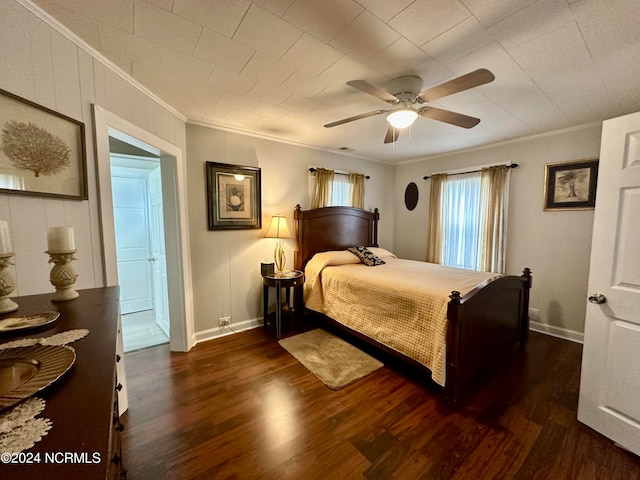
{"x": 82, "y": 405}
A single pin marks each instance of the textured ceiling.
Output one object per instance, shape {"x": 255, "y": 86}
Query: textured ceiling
{"x": 278, "y": 68}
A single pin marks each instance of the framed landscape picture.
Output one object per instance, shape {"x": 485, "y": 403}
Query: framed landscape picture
{"x": 233, "y": 197}
{"x": 42, "y": 152}
{"x": 571, "y": 185}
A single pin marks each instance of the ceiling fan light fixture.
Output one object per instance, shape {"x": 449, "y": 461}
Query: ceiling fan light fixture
{"x": 402, "y": 117}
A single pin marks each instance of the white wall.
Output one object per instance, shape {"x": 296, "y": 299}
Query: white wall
{"x": 556, "y": 245}
{"x": 45, "y": 66}
{"x": 42, "y": 65}
{"x": 226, "y": 264}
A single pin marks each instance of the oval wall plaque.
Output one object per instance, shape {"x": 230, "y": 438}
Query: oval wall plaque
{"x": 411, "y": 196}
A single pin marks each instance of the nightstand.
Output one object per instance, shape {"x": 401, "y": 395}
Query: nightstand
{"x": 283, "y": 280}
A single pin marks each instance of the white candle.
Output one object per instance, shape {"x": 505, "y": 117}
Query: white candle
{"x": 60, "y": 239}
{"x": 5, "y": 238}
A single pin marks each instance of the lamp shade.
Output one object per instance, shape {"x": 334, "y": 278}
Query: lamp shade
{"x": 402, "y": 117}
{"x": 278, "y": 228}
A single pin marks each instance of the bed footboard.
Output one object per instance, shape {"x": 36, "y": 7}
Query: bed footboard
{"x": 483, "y": 325}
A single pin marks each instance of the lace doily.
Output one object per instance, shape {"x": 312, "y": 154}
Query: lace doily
{"x": 19, "y": 429}
{"x": 24, "y": 342}
{"x": 65, "y": 338}
{"x": 60, "y": 339}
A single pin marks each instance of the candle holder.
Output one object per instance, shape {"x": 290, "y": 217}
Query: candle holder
{"x": 7, "y": 284}
{"x": 62, "y": 275}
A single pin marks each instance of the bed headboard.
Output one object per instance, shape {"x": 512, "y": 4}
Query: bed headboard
{"x": 332, "y": 228}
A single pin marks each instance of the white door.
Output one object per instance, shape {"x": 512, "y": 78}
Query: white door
{"x": 158, "y": 254}
{"x": 133, "y": 248}
{"x": 610, "y": 383}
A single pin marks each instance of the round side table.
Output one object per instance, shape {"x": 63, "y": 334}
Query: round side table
{"x": 283, "y": 280}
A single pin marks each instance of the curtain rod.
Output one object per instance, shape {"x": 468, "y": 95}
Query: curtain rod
{"x": 311, "y": 169}
{"x": 512, "y": 165}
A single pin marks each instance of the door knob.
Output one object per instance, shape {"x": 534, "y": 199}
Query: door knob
{"x": 597, "y": 298}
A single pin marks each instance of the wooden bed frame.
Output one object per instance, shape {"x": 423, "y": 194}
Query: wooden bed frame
{"x": 482, "y": 325}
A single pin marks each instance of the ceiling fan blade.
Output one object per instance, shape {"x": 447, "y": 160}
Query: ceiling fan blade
{"x": 373, "y": 90}
{"x": 457, "y": 119}
{"x": 465, "y": 82}
{"x": 356, "y": 117}
{"x": 392, "y": 134}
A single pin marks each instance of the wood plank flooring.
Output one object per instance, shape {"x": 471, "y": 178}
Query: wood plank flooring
{"x": 240, "y": 407}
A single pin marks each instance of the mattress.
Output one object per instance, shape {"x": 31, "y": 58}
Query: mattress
{"x": 401, "y": 304}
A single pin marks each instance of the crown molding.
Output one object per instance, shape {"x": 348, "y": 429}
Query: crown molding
{"x": 263, "y": 136}
{"x": 63, "y": 30}
{"x": 80, "y": 43}
{"x": 502, "y": 143}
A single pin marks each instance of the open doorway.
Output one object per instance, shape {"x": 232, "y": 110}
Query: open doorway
{"x": 174, "y": 217}
{"x": 136, "y": 187}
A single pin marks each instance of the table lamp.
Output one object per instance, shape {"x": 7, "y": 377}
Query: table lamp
{"x": 278, "y": 229}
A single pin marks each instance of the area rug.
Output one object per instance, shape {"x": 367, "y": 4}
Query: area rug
{"x": 335, "y": 362}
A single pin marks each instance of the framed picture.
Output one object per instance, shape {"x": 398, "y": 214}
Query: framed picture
{"x": 233, "y": 197}
{"x": 571, "y": 185}
{"x": 42, "y": 152}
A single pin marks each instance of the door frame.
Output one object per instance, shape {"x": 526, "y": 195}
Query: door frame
{"x": 176, "y": 220}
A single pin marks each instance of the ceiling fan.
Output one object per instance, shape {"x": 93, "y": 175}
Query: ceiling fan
{"x": 408, "y": 104}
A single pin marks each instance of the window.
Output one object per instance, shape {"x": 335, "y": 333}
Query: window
{"x": 467, "y": 219}
{"x": 329, "y": 189}
{"x": 341, "y": 192}
{"x": 461, "y": 221}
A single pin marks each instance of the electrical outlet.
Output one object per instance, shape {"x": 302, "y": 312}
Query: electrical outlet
{"x": 534, "y": 314}
{"x": 224, "y": 321}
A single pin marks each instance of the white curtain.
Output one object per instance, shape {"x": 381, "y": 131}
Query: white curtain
{"x": 341, "y": 188}
{"x": 462, "y": 221}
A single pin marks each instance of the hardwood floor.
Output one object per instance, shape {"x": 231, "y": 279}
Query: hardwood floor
{"x": 241, "y": 407}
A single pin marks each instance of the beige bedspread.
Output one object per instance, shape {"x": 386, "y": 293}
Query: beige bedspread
{"x": 401, "y": 304}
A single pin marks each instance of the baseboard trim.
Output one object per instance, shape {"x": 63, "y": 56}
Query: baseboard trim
{"x": 218, "y": 332}
{"x": 559, "y": 332}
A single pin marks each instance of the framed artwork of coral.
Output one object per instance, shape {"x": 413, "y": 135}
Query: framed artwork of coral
{"x": 42, "y": 152}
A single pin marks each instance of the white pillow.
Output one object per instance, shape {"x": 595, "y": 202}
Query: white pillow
{"x": 335, "y": 257}
{"x": 381, "y": 252}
